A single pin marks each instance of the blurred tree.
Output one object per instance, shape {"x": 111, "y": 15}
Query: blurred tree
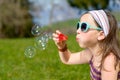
{"x": 89, "y": 4}
{"x": 15, "y": 20}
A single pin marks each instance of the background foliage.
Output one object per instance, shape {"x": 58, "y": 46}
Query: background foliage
{"x": 15, "y": 20}
{"x": 89, "y": 4}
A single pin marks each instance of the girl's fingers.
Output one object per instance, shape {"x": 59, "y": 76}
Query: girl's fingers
{"x": 56, "y": 40}
{"x": 59, "y": 37}
{"x": 58, "y": 32}
{"x": 55, "y": 35}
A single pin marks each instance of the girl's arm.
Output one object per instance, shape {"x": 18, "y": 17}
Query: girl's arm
{"x": 75, "y": 58}
{"x": 66, "y": 56}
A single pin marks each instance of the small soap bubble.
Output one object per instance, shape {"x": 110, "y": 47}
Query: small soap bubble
{"x": 30, "y": 51}
{"x": 40, "y": 43}
{"x": 45, "y": 37}
{"x": 36, "y": 30}
{"x": 41, "y": 40}
{"x": 50, "y": 35}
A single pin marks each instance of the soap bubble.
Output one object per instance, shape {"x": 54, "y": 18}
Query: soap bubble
{"x": 36, "y": 30}
{"x": 41, "y": 42}
{"x": 45, "y": 37}
{"x": 49, "y": 35}
{"x": 30, "y": 51}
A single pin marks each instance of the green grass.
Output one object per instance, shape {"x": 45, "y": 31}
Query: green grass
{"x": 67, "y": 27}
{"x": 45, "y": 65}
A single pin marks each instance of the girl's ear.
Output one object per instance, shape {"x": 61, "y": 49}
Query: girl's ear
{"x": 101, "y": 35}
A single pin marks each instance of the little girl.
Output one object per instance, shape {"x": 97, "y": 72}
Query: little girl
{"x": 97, "y": 33}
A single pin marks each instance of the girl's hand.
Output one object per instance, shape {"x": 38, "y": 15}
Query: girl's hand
{"x": 59, "y": 39}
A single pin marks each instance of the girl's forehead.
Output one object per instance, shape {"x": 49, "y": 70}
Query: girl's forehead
{"x": 86, "y": 18}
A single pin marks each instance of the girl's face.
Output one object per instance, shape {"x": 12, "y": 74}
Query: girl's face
{"x": 89, "y": 38}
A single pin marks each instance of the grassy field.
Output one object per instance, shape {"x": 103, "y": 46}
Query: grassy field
{"x": 45, "y": 65}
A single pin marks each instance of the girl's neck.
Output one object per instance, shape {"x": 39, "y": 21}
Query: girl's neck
{"x": 97, "y": 56}
{"x": 95, "y": 50}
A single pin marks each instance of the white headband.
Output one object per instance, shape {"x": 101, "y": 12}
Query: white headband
{"x": 101, "y": 18}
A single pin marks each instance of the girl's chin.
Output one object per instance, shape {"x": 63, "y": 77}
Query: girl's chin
{"x": 82, "y": 46}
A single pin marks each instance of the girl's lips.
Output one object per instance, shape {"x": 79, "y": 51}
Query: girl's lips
{"x": 77, "y": 39}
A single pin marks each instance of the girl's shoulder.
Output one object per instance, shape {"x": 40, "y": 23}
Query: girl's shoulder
{"x": 110, "y": 62}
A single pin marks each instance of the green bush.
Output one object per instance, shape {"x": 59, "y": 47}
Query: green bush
{"x": 15, "y": 21}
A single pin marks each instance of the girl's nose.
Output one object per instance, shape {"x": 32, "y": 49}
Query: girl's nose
{"x": 78, "y": 31}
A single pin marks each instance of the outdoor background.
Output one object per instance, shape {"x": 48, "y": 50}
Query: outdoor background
{"x": 17, "y": 18}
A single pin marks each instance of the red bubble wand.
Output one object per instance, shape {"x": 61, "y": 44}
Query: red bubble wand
{"x": 62, "y": 37}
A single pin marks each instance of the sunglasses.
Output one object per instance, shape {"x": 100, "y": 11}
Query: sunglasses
{"x": 84, "y": 27}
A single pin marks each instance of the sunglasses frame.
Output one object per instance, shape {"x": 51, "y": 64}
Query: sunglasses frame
{"x": 87, "y": 27}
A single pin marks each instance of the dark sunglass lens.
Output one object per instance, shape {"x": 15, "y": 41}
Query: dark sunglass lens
{"x": 83, "y": 26}
{"x": 77, "y": 25}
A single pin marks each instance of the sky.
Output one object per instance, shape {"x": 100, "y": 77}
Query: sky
{"x": 42, "y": 10}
